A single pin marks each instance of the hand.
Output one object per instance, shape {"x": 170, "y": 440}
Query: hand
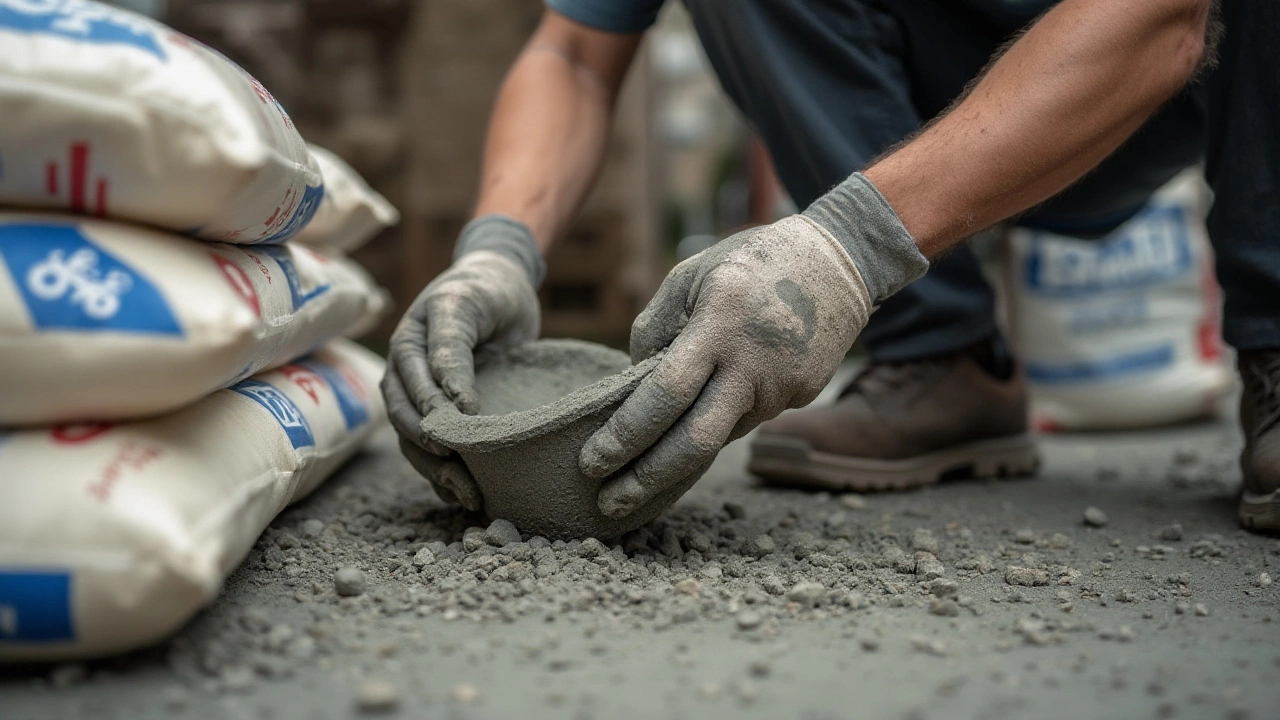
{"x": 753, "y": 325}
{"x": 485, "y": 298}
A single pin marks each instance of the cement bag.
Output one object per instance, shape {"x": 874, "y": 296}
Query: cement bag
{"x": 111, "y": 537}
{"x": 110, "y": 113}
{"x": 1121, "y": 332}
{"x": 107, "y": 321}
{"x": 352, "y": 213}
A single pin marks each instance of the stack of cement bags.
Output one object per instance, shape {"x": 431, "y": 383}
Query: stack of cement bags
{"x": 172, "y": 303}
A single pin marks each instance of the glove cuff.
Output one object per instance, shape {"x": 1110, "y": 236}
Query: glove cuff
{"x": 860, "y": 219}
{"x": 504, "y": 235}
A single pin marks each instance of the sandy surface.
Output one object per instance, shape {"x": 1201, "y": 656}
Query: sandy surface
{"x": 835, "y": 615}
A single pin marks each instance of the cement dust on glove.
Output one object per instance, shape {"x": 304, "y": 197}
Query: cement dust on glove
{"x": 753, "y": 325}
{"x": 486, "y": 300}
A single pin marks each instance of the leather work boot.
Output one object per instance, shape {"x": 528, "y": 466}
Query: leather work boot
{"x": 1260, "y": 459}
{"x": 902, "y": 425}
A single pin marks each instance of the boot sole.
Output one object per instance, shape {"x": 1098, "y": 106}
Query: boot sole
{"x": 786, "y": 460}
{"x": 1260, "y": 511}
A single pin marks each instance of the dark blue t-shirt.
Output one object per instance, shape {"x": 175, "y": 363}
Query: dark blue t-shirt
{"x": 830, "y": 84}
{"x": 633, "y": 16}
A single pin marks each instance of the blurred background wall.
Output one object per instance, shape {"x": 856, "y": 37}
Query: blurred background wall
{"x": 403, "y": 90}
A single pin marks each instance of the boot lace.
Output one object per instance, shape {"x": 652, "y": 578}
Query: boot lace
{"x": 886, "y": 377}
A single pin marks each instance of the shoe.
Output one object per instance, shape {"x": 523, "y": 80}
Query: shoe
{"x": 1260, "y": 459}
{"x": 902, "y": 425}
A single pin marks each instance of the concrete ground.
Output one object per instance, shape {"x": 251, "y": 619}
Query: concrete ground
{"x": 1167, "y": 610}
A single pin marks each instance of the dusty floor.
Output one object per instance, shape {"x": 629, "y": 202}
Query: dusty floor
{"x": 742, "y": 601}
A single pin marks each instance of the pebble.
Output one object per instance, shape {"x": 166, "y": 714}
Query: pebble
{"x": 929, "y": 646}
{"x": 502, "y": 533}
{"x": 928, "y": 566}
{"x": 760, "y": 546}
{"x": 312, "y": 528}
{"x": 944, "y": 607}
{"x": 1201, "y": 609}
{"x": 349, "y": 582}
{"x": 377, "y": 696}
{"x": 1024, "y": 537}
{"x": 1171, "y": 533}
{"x": 1025, "y": 577}
{"x": 869, "y": 643}
{"x": 735, "y": 510}
{"x": 943, "y": 588}
{"x": 1264, "y": 580}
{"x": 853, "y": 501}
{"x": 423, "y": 558}
{"x": 689, "y": 586}
{"x": 760, "y": 668}
{"x": 923, "y": 539}
{"x": 1094, "y": 517}
{"x": 748, "y": 620}
{"x": 465, "y": 693}
{"x": 806, "y": 593}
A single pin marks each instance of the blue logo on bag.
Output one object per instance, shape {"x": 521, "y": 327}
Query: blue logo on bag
{"x": 1110, "y": 368}
{"x": 81, "y": 20}
{"x": 1151, "y": 248}
{"x": 68, "y": 283}
{"x": 354, "y": 410}
{"x": 281, "y": 408}
{"x": 300, "y": 295}
{"x": 35, "y": 606}
{"x": 312, "y": 196}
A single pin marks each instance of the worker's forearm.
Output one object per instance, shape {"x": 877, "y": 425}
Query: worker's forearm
{"x": 1061, "y": 99}
{"x": 546, "y": 141}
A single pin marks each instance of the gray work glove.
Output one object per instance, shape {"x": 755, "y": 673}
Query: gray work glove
{"x": 486, "y": 298}
{"x": 754, "y": 325}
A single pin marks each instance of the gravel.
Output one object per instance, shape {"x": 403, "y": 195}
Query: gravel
{"x": 1093, "y": 517}
{"x": 502, "y": 533}
{"x": 1025, "y": 577}
{"x": 349, "y": 582}
{"x": 964, "y": 600}
{"x": 377, "y": 696}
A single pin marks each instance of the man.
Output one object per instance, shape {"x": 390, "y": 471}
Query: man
{"x": 759, "y": 322}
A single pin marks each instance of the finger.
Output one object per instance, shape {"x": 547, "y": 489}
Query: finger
{"x": 445, "y": 494}
{"x": 450, "y": 347}
{"x": 405, "y": 416}
{"x": 655, "y": 405}
{"x": 409, "y": 355}
{"x": 665, "y": 316}
{"x": 691, "y": 444}
{"x": 450, "y": 473}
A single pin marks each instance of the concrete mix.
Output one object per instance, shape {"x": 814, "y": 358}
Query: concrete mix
{"x": 538, "y": 404}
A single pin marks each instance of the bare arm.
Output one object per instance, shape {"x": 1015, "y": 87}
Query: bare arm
{"x": 550, "y": 124}
{"x": 1060, "y": 100}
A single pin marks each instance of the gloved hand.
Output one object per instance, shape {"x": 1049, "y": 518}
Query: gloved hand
{"x": 486, "y": 298}
{"x": 754, "y": 325}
